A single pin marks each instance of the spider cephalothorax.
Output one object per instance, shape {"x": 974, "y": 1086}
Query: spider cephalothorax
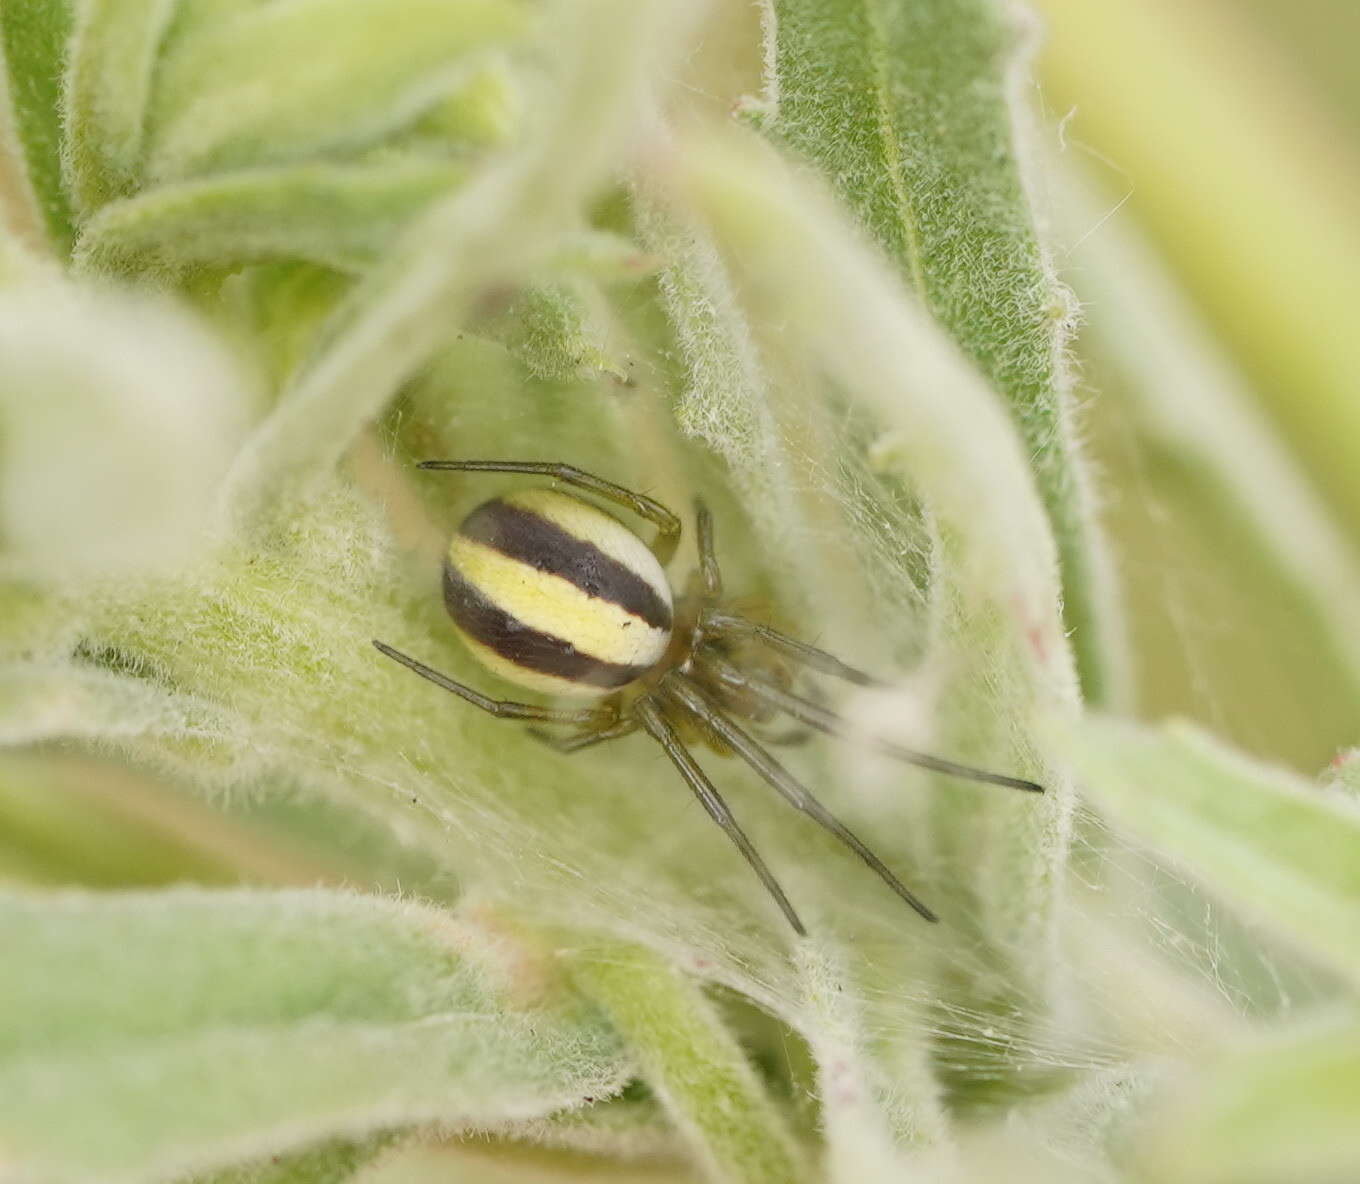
{"x": 558, "y": 596}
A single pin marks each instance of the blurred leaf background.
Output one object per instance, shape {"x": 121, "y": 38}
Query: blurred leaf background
{"x": 1223, "y": 136}
{"x": 272, "y": 915}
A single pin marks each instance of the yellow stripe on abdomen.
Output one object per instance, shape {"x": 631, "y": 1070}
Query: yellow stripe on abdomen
{"x": 550, "y": 604}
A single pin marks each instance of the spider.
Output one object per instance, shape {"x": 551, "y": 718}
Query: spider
{"x": 556, "y": 595}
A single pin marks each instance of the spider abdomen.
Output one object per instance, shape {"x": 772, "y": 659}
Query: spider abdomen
{"x": 554, "y": 594}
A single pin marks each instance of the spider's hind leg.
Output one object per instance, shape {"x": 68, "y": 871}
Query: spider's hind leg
{"x": 659, "y": 727}
{"x": 579, "y": 740}
{"x": 689, "y": 697}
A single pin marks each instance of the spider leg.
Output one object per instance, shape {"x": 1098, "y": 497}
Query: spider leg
{"x": 709, "y": 572}
{"x": 667, "y": 524}
{"x": 658, "y": 727}
{"x": 783, "y": 782}
{"x": 793, "y": 737}
{"x": 721, "y": 623}
{"x": 816, "y": 716}
{"x": 575, "y": 743}
{"x": 500, "y": 708}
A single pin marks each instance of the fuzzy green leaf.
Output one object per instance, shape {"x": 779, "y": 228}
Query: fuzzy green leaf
{"x": 1282, "y": 1109}
{"x": 1269, "y": 842}
{"x": 933, "y": 424}
{"x": 151, "y": 1035}
{"x": 330, "y": 1163}
{"x": 552, "y": 331}
{"x": 853, "y": 432}
{"x": 219, "y": 102}
{"x": 42, "y": 701}
{"x": 109, "y": 77}
{"x": 911, "y": 112}
{"x": 853, "y": 320}
{"x": 693, "y": 1064}
{"x": 340, "y": 216}
{"x": 1221, "y": 93}
{"x": 604, "y": 256}
{"x": 878, "y": 1091}
{"x": 486, "y": 236}
{"x": 53, "y": 833}
{"x": 484, "y": 110}
{"x": 469, "y": 1162}
{"x": 1204, "y": 443}
{"x": 34, "y": 33}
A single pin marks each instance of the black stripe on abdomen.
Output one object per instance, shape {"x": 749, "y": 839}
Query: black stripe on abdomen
{"x": 530, "y": 648}
{"x": 532, "y": 540}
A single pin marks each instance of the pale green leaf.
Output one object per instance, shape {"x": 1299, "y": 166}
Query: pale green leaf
{"x": 54, "y": 833}
{"x": 604, "y": 256}
{"x": 554, "y": 330}
{"x": 484, "y": 110}
{"x": 43, "y": 701}
{"x": 912, "y": 113}
{"x": 1203, "y": 439}
{"x": 151, "y": 1035}
{"x": 17, "y": 261}
{"x": 109, "y": 76}
{"x": 933, "y": 425}
{"x": 693, "y": 1064}
{"x": 81, "y": 821}
{"x": 630, "y": 1127}
{"x": 1281, "y": 1109}
{"x": 878, "y": 1091}
{"x": 479, "y": 1162}
{"x": 1221, "y": 95}
{"x": 1271, "y": 843}
{"x": 219, "y": 103}
{"x": 854, "y": 320}
{"x": 330, "y": 1163}
{"x": 486, "y": 236}
{"x": 34, "y": 34}
{"x": 339, "y": 216}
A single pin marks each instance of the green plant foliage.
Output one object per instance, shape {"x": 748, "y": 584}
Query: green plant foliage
{"x": 1220, "y": 96}
{"x": 694, "y": 1064}
{"x": 1234, "y": 480}
{"x": 217, "y": 106}
{"x": 550, "y": 330}
{"x": 151, "y": 1035}
{"x": 111, "y": 62}
{"x": 331, "y": 1163}
{"x": 1264, "y": 838}
{"x": 340, "y": 216}
{"x": 52, "y": 834}
{"x": 35, "y": 34}
{"x": 907, "y": 110}
{"x": 1283, "y": 1109}
{"x": 276, "y": 911}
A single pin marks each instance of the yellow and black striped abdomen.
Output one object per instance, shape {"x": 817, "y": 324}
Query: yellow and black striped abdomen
{"x": 554, "y": 594}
